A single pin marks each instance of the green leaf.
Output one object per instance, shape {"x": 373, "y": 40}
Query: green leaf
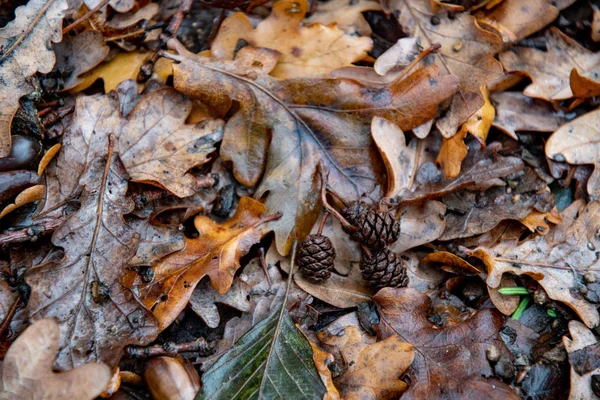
{"x": 272, "y": 361}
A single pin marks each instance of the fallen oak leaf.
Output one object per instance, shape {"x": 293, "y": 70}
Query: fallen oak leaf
{"x": 583, "y": 352}
{"x": 306, "y": 51}
{"x": 26, "y": 50}
{"x": 450, "y": 362}
{"x": 27, "y": 369}
{"x": 322, "y": 359}
{"x": 215, "y": 253}
{"x": 373, "y": 369}
{"x": 309, "y": 121}
{"x": 97, "y": 315}
{"x": 553, "y": 259}
{"x": 577, "y": 143}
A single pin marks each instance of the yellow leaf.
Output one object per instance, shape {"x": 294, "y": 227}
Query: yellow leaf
{"x": 452, "y": 153}
{"x": 479, "y": 124}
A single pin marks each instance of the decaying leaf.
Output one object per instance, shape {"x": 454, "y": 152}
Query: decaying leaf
{"x": 306, "y": 125}
{"x": 466, "y": 51}
{"x": 347, "y": 15}
{"x": 26, "y": 50}
{"x": 373, "y": 368}
{"x": 204, "y": 301}
{"x": 551, "y": 70}
{"x": 553, "y": 259}
{"x": 216, "y": 253}
{"x": 584, "y": 352}
{"x": 27, "y": 369}
{"x": 449, "y": 362}
{"x": 577, "y": 142}
{"x": 96, "y": 314}
{"x": 540, "y": 222}
{"x": 517, "y": 112}
{"x": 154, "y": 143}
{"x": 306, "y": 51}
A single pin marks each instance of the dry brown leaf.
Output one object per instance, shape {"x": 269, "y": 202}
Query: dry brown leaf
{"x": 583, "y": 355}
{"x": 517, "y": 112}
{"x": 306, "y": 51}
{"x": 521, "y": 18}
{"x": 506, "y": 304}
{"x": 26, "y": 50}
{"x": 551, "y": 70}
{"x": 373, "y": 369}
{"x": 216, "y": 253}
{"x": 539, "y": 221}
{"x": 78, "y": 54}
{"x": 154, "y": 143}
{"x": 305, "y": 123}
{"x": 27, "y": 369}
{"x": 467, "y": 52}
{"x": 155, "y": 242}
{"x": 453, "y": 262}
{"x": 449, "y": 362}
{"x": 421, "y": 223}
{"x": 552, "y": 259}
{"x": 126, "y": 20}
{"x": 578, "y": 142}
{"x": 452, "y": 153}
{"x": 397, "y": 57}
{"x": 346, "y": 14}
{"x": 96, "y": 314}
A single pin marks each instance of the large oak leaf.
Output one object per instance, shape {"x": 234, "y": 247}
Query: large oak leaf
{"x": 305, "y": 124}
{"x": 450, "y": 362}
{"x": 97, "y": 315}
{"x": 216, "y": 253}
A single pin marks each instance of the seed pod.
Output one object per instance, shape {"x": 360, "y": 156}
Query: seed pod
{"x": 383, "y": 269}
{"x": 169, "y": 378}
{"x": 315, "y": 257}
{"x": 374, "y": 229}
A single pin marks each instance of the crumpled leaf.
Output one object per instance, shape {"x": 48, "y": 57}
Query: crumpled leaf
{"x": 551, "y": 70}
{"x": 373, "y": 368}
{"x": 308, "y": 131}
{"x": 306, "y": 51}
{"x": 204, "y": 301}
{"x": 27, "y": 369}
{"x": 346, "y": 14}
{"x": 96, "y": 314}
{"x": 155, "y": 144}
{"x": 272, "y": 360}
{"x": 76, "y": 55}
{"x": 517, "y": 112}
{"x": 216, "y": 253}
{"x": 450, "y": 362}
{"x": 577, "y": 142}
{"x": 26, "y": 50}
{"x": 583, "y": 350}
{"x": 466, "y": 51}
{"x": 552, "y": 259}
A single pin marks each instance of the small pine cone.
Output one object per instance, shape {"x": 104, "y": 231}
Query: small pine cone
{"x": 375, "y": 229}
{"x": 315, "y": 257}
{"x": 384, "y": 269}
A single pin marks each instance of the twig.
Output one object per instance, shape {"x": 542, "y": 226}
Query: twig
{"x": 199, "y": 345}
{"x": 322, "y": 224}
{"x": 84, "y": 17}
{"x": 347, "y": 225}
{"x": 9, "y": 317}
{"x": 135, "y": 33}
{"x": 31, "y": 233}
{"x": 263, "y": 264}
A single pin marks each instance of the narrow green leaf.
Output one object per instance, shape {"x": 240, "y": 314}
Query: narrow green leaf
{"x": 551, "y": 313}
{"x": 513, "y": 291}
{"x": 521, "y": 308}
{"x": 272, "y": 361}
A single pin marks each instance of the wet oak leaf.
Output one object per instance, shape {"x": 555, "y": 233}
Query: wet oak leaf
{"x": 215, "y": 253}
{"x": 97, "y": 315}
{"x": 27, "y": 369}
{"x": 551, "y": 70}
{"x": 450, "y": 362}
{"x": 26, "y": 50}
{"x": 552, "y": 259}
{"x": 466, "y": 51}
{"x": 306, "y": 51}
{"x": 578, "y": 142}
{"x": 306, "y": 125}
{"x": 373, "y": 369}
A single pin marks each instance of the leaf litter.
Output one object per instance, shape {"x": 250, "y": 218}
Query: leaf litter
{"x": 292, "y": 199}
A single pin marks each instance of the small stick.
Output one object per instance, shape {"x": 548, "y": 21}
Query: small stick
{"x": 31, "y": 233}
{"x": 9, "y": 317}
{"x": 199, "y": 345}
{"x": 263, "y": 264}
{"x": 135, "y": 33}
{"x": 347, "y": 225}
{"x": 322, "y": 225}
{"x": 86, "y": 16}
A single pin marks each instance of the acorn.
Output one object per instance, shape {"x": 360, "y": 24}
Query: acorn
{"x": 169, "y": 378}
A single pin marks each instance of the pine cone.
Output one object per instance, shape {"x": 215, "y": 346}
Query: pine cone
{"x": 375, "y": 229}
{"x": 315, "y": 257}
{"x": 384, "y": 269}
